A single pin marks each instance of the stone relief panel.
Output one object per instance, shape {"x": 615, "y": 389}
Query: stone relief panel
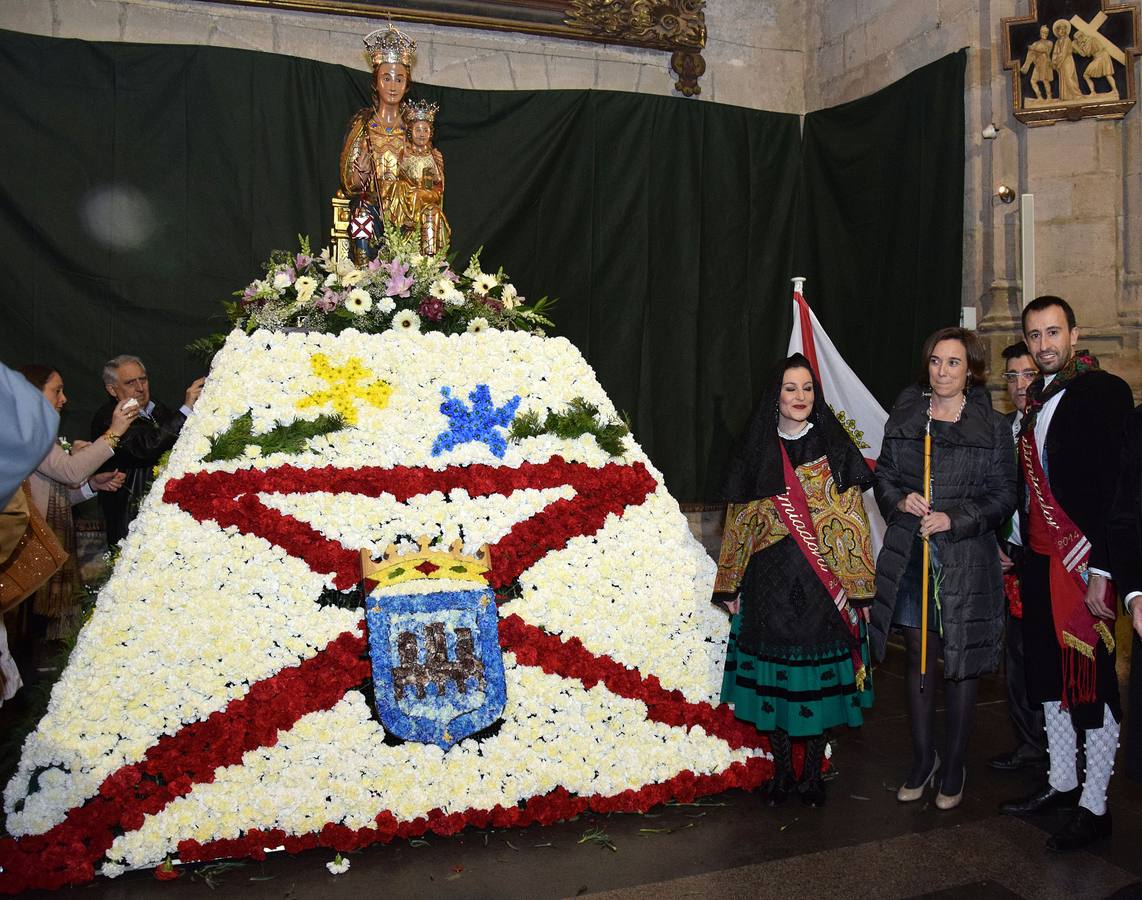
{"x": 1071, "y": 59}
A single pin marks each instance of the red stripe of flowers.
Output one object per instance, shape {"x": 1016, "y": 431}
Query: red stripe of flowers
{"x": 570, "y": 659}
{"x": 66, "y": 853}
{"x": 231, "y": 500}
{"x": 555, "y": 806}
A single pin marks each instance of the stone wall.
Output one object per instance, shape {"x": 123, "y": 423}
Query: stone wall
{"x": 785, "y": 56}
{"x": 754, "y": 55}
{"x": 1086, "y": 176}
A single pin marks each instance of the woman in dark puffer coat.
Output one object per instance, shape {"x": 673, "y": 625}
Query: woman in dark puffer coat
{"x": 973, "y": 493}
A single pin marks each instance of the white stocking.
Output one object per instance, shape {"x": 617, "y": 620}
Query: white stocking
{"x": 1101, "y": 745}
{"x": 1061, "y": 747}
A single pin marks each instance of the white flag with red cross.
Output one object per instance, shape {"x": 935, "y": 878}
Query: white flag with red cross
{"x": 858, "y": 411}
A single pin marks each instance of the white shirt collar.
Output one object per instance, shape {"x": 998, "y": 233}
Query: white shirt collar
{"x": 796, "y": 437}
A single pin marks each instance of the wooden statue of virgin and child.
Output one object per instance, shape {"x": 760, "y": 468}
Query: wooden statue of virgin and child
{"x": 390, "y": 171}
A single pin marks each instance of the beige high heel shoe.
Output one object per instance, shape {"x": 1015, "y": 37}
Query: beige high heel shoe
{"x": 906, "y": 794}
{"x": 946, "y": 801}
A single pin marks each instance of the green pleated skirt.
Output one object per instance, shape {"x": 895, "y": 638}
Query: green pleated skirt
{"x": 800, "y": 694}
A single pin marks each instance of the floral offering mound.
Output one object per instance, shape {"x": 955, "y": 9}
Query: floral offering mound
{"x": 359, "y": 605}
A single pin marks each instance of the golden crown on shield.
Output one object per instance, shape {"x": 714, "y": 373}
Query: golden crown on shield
{"x": 395, "y": 567}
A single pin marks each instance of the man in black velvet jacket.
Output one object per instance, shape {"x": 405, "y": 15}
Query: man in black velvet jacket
{"x": 1070, "y": 444}
{"x": 138, "y": 450}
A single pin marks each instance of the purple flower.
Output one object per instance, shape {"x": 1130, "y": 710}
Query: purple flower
{"x": 374, "y": 265}
{"x": 301, "y": 261}
{"x": 432, "y": 308}
{"x": 328, "y": 301}
{"x": 399, "y": 282}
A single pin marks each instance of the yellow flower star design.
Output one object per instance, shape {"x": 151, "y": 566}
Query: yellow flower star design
{"x": 348, "y": 384}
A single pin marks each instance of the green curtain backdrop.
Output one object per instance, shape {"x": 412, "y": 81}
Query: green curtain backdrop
{"x": 143, "y": 184}
{"x": 881, "y": 221}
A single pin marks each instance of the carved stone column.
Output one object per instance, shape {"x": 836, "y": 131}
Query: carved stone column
{"x": 1003, "y": 161}
{"x": 1130, "y": 285}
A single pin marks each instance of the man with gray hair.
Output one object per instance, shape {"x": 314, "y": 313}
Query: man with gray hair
{"x": 138, "y": 450}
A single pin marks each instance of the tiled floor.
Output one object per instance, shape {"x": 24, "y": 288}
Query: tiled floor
{"x": 861, "y": 844}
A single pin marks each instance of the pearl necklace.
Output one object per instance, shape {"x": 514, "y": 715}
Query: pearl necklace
{"x": 960, "y": 412}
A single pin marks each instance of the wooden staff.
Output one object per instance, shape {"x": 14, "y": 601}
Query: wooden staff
{"x": 924, "y": 568}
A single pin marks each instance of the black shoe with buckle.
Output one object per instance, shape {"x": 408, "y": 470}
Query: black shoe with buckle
{"x": 1018, "y": 759}
{"x": 1082, "y": 829}
{"x": 1043, "y": 800}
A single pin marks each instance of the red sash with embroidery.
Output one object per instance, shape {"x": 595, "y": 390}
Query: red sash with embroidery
{"x": 793, "y": 508}
{"x": 1054, "y": 535}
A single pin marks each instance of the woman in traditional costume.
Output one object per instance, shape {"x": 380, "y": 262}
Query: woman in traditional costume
{"x": 972, "y": 490}
{"x": 376, "y": 139}
{"x": 794, "y": 569}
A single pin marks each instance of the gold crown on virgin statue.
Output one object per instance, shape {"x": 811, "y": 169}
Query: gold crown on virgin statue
{"x": 389, "y": 45}
{"x": 420, "y": 111}
{"x": 452, "y": 564}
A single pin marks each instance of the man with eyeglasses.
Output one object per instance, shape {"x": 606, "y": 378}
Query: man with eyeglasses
{"x": 1019, "y": 370}
{"x": 138, "y": 450}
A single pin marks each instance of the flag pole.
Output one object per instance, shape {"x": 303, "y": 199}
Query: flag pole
{"x": 798, "y": 284}
{"x": 924, "y": 566}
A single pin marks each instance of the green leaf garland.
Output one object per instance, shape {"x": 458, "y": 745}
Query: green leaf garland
{"x": 291, "y": 438}
{"x": 579, "y": 418}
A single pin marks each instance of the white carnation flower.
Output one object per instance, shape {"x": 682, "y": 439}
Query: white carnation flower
{"x": 338, "y": 865}
{"x": 386, "y": 305}
{"x": 281, "y": 280}
{"x": 477, "y": 325}
{"x": 358, "y": 301}
{"x": 406, "y": 320}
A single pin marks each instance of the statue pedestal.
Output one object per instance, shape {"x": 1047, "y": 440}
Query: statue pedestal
{"x": 339, "y": 233}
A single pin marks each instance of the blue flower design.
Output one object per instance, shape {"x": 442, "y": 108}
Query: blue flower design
{"x": 477, "y": 422}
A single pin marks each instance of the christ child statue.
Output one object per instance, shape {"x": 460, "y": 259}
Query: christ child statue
{"x": 421, "y": 172}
